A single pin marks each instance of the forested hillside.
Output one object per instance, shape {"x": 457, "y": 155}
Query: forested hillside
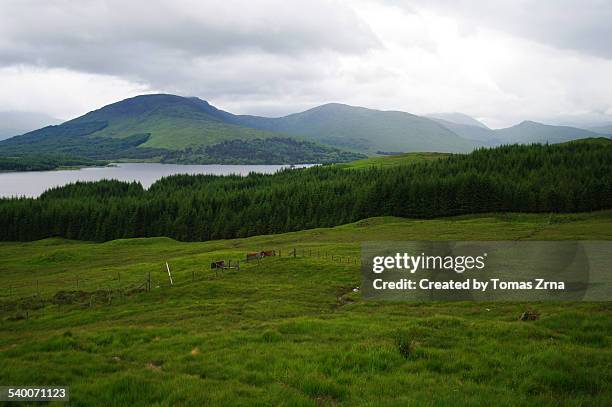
{"x": 44, "y": 163}
{"x": 276, "y": 150}
{"x": 570, "y": 177}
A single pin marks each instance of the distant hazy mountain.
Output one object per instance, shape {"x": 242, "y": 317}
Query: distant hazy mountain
{"x": 533, "y": 132}
{"x": 365, "y": 130}
{"x": 480, "y": 135}
{"x": 13, "y": 123}
{"x": 525, "y": 133}
{"x": 605, "y": 129}
{"x": 458, "y": 118}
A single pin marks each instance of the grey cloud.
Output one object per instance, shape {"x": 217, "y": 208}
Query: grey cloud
{"x": 579, "y": 25}
{"x": 126, "y": 38}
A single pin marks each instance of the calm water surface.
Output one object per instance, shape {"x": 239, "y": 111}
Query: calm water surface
{"x": 34, "y": 183}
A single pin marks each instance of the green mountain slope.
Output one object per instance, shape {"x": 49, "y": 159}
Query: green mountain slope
{"x": 168, "y": 128}
{"x": 364, "y": 130}
{"x": 173, "y": 122}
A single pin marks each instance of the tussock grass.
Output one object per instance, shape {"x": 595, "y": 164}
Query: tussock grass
{"x": 275, "y": 332}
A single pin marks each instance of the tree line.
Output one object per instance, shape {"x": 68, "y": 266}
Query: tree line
{"x": 571, "y": 177}
{"x": 45, "y": 162}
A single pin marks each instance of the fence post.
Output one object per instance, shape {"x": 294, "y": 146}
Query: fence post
{"x": 77, "y": 282}
{"x": 169, "y": 274}
{"x": 294, "y": 252}
{"x": 149, "y": 282}
{"x": 238, "y": 265}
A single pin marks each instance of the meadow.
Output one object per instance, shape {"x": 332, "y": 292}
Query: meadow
{"x": 292, "y": 330}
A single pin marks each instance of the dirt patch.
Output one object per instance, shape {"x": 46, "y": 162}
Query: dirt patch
{"x": 346, "y": 295}
{"x": 33, "y": 302}
{"x": 78, "y": 297}
{"x": 154, "y": 366}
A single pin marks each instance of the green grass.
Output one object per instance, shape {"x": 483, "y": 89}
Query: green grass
{"x": 602, "y": 141}
{"x": 290, "y": 331}
{"x": 178, "y": 133}
{"x": 394, "y": 160}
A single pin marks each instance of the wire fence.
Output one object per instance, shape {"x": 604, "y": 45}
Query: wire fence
{"x": 118, "y": 286}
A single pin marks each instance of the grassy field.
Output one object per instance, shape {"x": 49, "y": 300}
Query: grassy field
{"x": 394, "y": 160}
{"x": 291, "y": 330}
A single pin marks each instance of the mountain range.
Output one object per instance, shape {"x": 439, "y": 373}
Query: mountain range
{"x": 173, "y": 128}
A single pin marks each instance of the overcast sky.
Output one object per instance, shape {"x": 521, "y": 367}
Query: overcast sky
{"x": 499, "y": 61}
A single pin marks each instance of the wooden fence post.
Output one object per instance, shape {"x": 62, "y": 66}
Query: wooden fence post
{"x": 169, "y": 274}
